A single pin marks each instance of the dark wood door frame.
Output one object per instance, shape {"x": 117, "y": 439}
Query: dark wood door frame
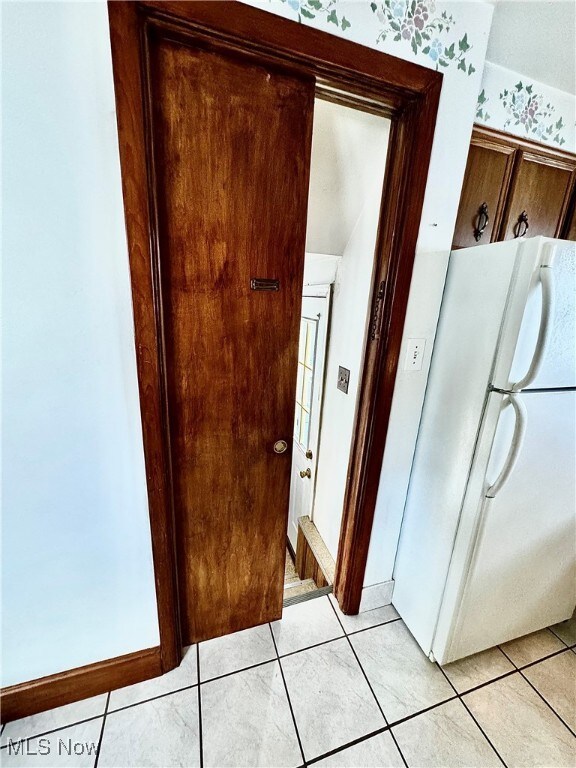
{"x": 410, "y": 94}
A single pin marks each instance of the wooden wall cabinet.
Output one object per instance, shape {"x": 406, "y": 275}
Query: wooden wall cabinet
{"x": 514, "y": 187}
{"x": 569, "y": 232}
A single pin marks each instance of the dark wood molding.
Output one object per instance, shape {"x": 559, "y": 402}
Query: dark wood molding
{"x": 331, "y": 60}
{"x": 124, "y": 27}
{"x": 484, "y": 136}
{"x": 407, "y": 165}
{"x": 66, "y": 687}
{"x": 407, "y": 92}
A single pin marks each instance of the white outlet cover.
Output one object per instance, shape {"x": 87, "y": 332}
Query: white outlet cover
{"x": 414, "y": 354}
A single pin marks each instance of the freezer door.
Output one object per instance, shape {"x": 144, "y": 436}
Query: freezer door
{"x": 539, "y": 330}
{"x": 513, "y": 570}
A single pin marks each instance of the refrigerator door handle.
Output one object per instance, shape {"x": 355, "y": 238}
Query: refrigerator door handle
{"x": 517, "y": 439}
{"x": 548, "y": 295}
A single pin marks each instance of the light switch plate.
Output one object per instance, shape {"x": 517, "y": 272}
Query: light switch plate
{"x": 343, "y": 379}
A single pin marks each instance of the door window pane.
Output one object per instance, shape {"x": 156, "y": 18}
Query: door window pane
{"x": 305, "y": 379}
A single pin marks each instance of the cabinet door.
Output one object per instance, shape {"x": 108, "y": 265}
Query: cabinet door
{"x": 569, "y": 231}
{"x": 540, "y": 192}
{"x": 486, "y": 181}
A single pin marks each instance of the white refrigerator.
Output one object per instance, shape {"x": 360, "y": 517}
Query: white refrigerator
{"x": 487, "y": 550}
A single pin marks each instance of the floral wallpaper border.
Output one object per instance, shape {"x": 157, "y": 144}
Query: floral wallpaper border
{"x": 527, "y": 108}
{"x": 427, "y": 31}
{"x": 430, "y": 33}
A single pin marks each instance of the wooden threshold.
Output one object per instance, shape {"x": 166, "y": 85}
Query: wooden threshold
{"x": 63, "y": 688}
{"x": 313, "y": 560}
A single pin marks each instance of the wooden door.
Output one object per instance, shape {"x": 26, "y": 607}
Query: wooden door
{"x": 539, "y": 196}
{"x": 486, "y": 182}
{"x": 231, "y": 149}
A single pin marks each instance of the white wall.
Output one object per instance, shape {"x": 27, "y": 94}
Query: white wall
{"x": 537, "y": 111}
{"x": 77, "y": 569}
{"x": 346, "y": 145}
{"x": 349, "y": 316}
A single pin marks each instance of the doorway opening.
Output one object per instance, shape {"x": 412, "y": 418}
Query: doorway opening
{"x": 215, "y": 106}
{"x": 348, "y": 161}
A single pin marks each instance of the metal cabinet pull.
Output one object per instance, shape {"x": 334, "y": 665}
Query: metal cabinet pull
{"x": 305, "y": 473}
{"x": 483, "y": 220}
{"x": 522, "y": 221}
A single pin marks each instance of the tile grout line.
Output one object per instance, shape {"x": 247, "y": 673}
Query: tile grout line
{"x": 405, "y": 719}
{"x": 209, "y": 680}
{"x": 236, "y": 671}
{"x": 372, "y": 626}
{"x": 548, "y": 704}
{"x": 521, "y": 672}
{"x": 102, "y": 731}
{"x": 200, "y": 734}
{"x": 370, "y": 686}
{"x": 325, "y": 642}
{"x": 466, "y": 707}
{"x": 259, "y": 664}
{"x": 349, "y": 744}
{"x": 375, "y": 626}
{"x": 144, "y": 701}
{"x": 153, "y": 698}
{"x": 532, "y": 663}
{"x": 561, "y": 638}
{"x": 53, "y": 730}
{"x": 304, "y": 763}
{"x": 393, "y": 724}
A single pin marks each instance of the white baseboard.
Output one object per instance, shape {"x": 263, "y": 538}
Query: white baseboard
{"x": 376, "y": 595}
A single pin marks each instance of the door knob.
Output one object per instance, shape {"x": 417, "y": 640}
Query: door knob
{"x": 305, "y": 473}
{"x": 280, "y": 446}
{"x": 308, "y": 454}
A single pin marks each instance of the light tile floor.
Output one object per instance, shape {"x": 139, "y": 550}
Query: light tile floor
{"x": 325, "y": 689}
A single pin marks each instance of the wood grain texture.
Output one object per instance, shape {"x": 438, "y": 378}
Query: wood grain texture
{"x": 542, "y": 187}
{"x": 483, "y": 133}
{"x": 409, "y": 94}
{"x": 486, "y": 180}
{"x": 569, "y": 232}
{"x": 333, "y": 61}
{"x": 306, "y": 564}
{"x": 513, "y": 174}
{"x": 231, "y": 144}
{"x": 80, "y": 683}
